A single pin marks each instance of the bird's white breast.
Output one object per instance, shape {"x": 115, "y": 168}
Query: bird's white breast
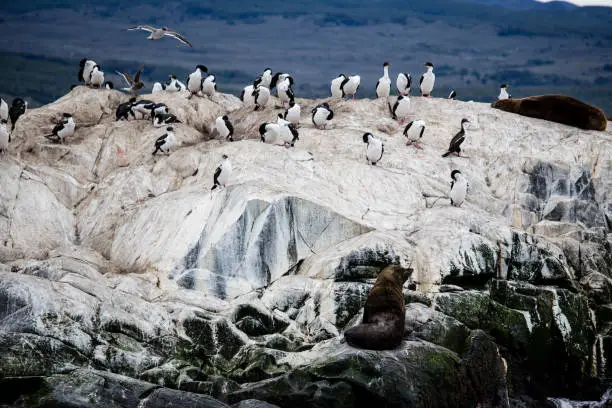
{"x": 459, "y": 190}
{"x": 427, "y": 85}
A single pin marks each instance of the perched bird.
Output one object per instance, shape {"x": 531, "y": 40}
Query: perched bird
{"x": 287, "y": 132}
{"x": 194, "y": 80}
{"x": 401, "y": 109}
{"x": 124, "y": 110}
{"x": 375, "y": 148}
{"x": 4, "y": 110}
{"x": 350, "y": 85}
{"x": 174, "y": 85}
{"x": 265, "y": 79}
{"x": 428, "y": 80}
{"x": 96, "y": 77}
{"x": 158, "y": 33}
{"x": 158, "y": 87}
{"x": 279, "y": 77}
{"x": 321, "y": 115}
{"x": 292, "y": 114}
{"x": 414, "y": 132}
{"x": 269, "y": 132}
{"x": 383, "y": 86}
{"x": 336, "y": 86}
{"x": 224, "y": 128}
{"x": 403, "y": 83}
{"x": 86, "y": 66}
{"x": 109, "y": 85}
{"x": 142, "y": 109}
{"x": 18, "y": 108}
{"x": 162, "y": 119}
{"x": 135, "y": 84}
{"x": 64, "y": 129}
{"x": 452, "y": 94}
{"x": 222, "y": 173}
{"x": 456, "y": 141}
{"x": 247, "y": 96}
{"x": 284, "y": 91}
{"x": 209, "y": 86}
{"x": 165, "y": 142}
{"x": 261, "y": 94}
{"x": 503, "y": 92}
{"x": 5, "y": 136}
{"x": 459, "y": 187}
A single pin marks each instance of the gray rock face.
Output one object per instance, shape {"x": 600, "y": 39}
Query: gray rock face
{"x": 127, "y": 263}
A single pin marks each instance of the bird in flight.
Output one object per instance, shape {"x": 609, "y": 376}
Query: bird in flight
{"x": 159, "y": 33}
{"x": 134, "y": 83}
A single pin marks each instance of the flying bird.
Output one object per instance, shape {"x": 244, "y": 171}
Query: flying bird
{"x": 134, "y": 83}
{"x": 159, "y": 33}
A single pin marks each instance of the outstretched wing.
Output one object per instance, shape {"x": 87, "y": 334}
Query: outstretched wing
{"x": 126, "y": 77}
{"x": 142, "y": 27}
{"x": 137, "y": 77}
{"x": 178, "y": 37}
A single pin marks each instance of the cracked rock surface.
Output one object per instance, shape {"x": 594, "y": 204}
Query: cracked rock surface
{"x": 126, "y": 282}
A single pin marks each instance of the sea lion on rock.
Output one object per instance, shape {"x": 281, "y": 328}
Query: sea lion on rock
{"x": 384, "y": 313}
{"x": 556, "y": 108}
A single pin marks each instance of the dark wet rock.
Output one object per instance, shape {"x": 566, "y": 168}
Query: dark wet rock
{"x": 450, "y": 288}
{"x": 85, "y": 388}
{"x": 425, "y": 323}
{"x": 251, "y": 403}
{"x": 411, "y": 375}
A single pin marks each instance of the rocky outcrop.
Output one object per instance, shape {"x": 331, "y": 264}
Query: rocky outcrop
{"x": 123, "y": 276}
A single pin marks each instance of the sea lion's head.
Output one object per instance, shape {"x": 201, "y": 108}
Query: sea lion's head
{"x": 399, "y": 273}
{"x": 507, "y": 105}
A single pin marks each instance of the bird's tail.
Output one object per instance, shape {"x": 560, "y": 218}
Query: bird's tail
{"x": 156, "y": 149}
{"x": 213, "y": 187}
{"x": 446, "y": 154}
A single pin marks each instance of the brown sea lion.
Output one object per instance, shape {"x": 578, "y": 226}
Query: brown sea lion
{"x": 556, "y": 108}
{"x": 384, "y": 313}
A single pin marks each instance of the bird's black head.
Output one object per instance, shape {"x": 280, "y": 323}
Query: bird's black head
{"x": 429, "y": 64}
{"x": 268, "y": 70}
{"x": 464, "y": 120}
{"x": 504, "y": 86}
{"x": 225, "y": 157}
{"x": 454, "y": 174}
{"x": 18, "y": 102}
{"x": 165, "y": 28}
{"x": 386, "y": 64}
{"x": 169, "y": 128}
{"x": 341, "y": 76}
{"x": 399, "y": 98}
{"x": 66, "y": 115}
{"x": 292, "y": 103}
{"x": 109, "y": 85}
{"x": 202, "y": 68}
{"x": 280, "y": 115}
{"x": 325, "y": 105}
{"x": 172, "y": 76}
{"x": 132, "y": 99}
{"x": 83, "y": 61}
{"x": 366, "y": 137}
{"x": 225, "y": 117}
